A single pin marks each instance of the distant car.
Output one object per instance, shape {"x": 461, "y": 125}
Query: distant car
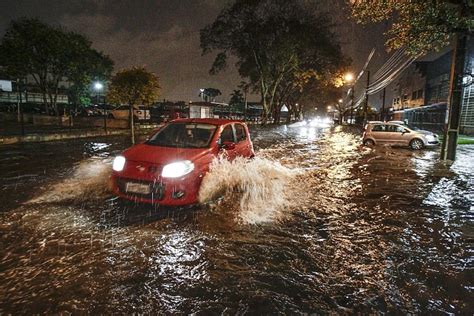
{"x": 122, "y": 112}
{"x": 168, "y": 168}
{"x": 380, "y": 133}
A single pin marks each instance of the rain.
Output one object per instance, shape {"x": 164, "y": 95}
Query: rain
{"x": 315, "y": 223}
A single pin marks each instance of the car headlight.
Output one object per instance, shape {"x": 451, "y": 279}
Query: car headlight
{"x": 119, "y": 163}
{"x": 430, "y": 138}
{"x": 177, "y": 169}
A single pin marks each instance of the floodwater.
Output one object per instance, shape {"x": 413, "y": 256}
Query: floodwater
{"x": 316, "y": 224}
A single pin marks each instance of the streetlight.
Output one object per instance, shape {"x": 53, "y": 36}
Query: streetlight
{"x": 349, "y": 77}
{"x": 98, "y": 87}
{"x": 340, "y": 100}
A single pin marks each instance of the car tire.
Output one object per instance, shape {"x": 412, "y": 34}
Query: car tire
{"x": 369, "y": 142}
{"x": 416, "y": 144}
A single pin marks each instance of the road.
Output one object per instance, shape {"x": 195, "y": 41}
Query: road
{"x": 317, "y": 223}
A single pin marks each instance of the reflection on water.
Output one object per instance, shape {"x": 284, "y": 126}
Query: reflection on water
{"x": 341, "y": 228}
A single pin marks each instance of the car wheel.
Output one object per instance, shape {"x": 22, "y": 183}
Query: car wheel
{"x": 369, "y": 142}
{"x": 416, "y": 144}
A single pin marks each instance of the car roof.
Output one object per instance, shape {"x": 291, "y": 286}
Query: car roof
{"x": 215, "y": 121}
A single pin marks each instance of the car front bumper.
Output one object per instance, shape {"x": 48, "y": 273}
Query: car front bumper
{"x": 167, "y": 192}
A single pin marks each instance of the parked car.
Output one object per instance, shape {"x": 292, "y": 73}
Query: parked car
{"x": 376, "y": 133}
{"x": 140, "y": 112}
{"x": 168, "y": 168}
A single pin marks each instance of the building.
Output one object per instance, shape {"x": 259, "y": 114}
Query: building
{"x": 421, "y": 93}
{"x": 31, "y": 97}
{"x": 202, "y": 109}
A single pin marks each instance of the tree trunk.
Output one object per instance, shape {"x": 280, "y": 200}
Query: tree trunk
{"x": 132, "y": 125}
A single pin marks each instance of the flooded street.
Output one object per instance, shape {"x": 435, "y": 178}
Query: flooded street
{"x": 315, "y": 224}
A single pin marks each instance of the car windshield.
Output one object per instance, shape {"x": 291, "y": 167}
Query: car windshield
{"x": 184, "y": 135}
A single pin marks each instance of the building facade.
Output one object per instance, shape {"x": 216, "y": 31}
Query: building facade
{"x": 421, "y": 94}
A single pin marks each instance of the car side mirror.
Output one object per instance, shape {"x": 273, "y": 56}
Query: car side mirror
{"x": 227, "y": 145}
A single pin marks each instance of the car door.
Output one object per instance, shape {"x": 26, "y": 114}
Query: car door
{"x": 378, "y": 133}
{"x": 242, "y": 143}
{"x": 396, "y": 134}
{"x": 227, "y": 142}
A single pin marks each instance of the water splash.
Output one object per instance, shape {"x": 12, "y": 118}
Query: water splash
{"x": 260, "y": 185}
{"x": 88, "y": 181}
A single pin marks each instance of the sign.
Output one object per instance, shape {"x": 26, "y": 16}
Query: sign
{"x": 5, "y": 85}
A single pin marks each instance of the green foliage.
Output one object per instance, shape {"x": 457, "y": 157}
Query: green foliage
{"x": 210, "y": 94}
{"x": 272, "y": 40}
{"x": 236, "y": 98}
{"x": 420, "y": 26}
{"x": 50, "y": 55}
{"x": 134, "y": 86}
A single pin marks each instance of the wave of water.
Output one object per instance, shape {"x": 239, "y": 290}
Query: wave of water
{"x": 89, "y": 180}
{"x": 258, "y": 186}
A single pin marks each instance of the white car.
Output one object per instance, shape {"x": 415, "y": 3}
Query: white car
{"x": 140, "y": 113}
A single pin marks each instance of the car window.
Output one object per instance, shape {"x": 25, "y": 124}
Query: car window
{"x": 395, "y": 129}
{"x": 123, "y": 107}
{"x": 378, "y": 128}
{"x": 184, "y": 135}
{"x": 227, "y": 135}
{"x": 240, "y": 132}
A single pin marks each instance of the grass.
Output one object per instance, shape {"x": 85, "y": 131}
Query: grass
{"x": 462, "y": 140}
{"x": 465, "y": 141}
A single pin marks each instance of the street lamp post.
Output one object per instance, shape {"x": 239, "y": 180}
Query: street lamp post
{"x": 98, "y": 86}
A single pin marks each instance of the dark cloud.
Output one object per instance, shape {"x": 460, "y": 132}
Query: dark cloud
{"x": 163, "y": 35}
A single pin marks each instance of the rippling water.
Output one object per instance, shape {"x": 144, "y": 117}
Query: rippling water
{"x": 350, "y": 229}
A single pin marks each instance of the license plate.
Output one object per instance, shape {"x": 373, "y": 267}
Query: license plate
{"x": 141, "y": 188}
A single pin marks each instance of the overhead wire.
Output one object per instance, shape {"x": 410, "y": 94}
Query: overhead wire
{"x": 391, "y": 69}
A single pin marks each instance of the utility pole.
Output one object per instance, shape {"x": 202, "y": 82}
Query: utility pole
{"x": 451, "y": 133}
{"x": 382, "y": 114}
{"x": 458, "y": 63}
{"x": 366, "y": 104}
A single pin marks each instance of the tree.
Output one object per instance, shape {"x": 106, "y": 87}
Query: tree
{"x": 134, "y": 86}
{"x": 236, "y": 98}
{"x": 271, "y": 40}
{"x": 210, "y": 94}
{"x": 50, "y": 55}
{"x": 423, "y": 26}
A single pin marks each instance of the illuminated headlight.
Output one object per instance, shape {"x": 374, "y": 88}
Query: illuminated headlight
{"x": 177, "y": 169}
{"x": 119, "y": 163}
{"x": 431, "y": 138}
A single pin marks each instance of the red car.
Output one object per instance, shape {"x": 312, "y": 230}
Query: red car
{"x": 168, "y": 168}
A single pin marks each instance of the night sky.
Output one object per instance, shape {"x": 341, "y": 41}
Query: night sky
{"x": 163, "y": 35}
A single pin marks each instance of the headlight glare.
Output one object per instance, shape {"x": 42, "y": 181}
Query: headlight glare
{"x": 177, "y": 169}
{"x": 119, "y": 163}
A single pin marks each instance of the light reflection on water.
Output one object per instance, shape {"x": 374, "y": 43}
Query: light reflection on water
{"x": 384, "y": 229}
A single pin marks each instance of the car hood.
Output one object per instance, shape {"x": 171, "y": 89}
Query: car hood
{"x": 424, "y": 132}
{"x": 163, "y": 155}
